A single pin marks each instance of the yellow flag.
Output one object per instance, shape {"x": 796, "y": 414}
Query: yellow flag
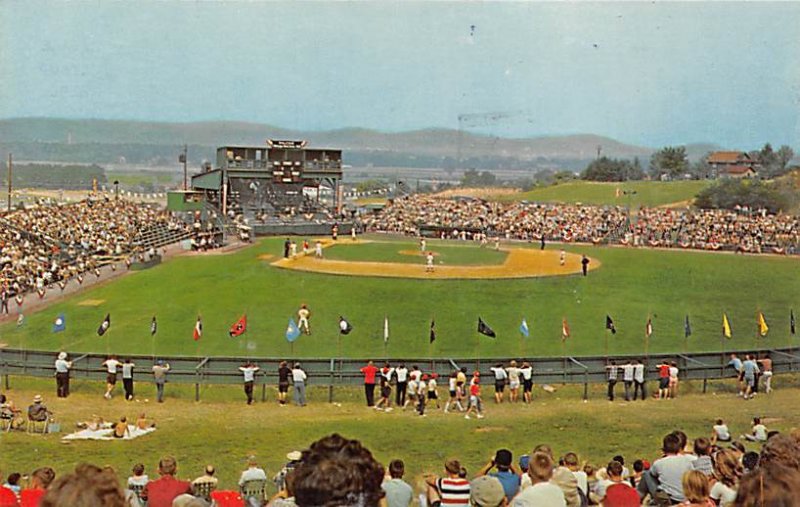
{"x": 763, "y": 328}
{"x": 726, "y": 327}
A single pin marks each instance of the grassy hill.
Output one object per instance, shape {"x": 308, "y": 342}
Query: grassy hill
{"x": 647, "y": 193}
{"x": 629, "y": 285}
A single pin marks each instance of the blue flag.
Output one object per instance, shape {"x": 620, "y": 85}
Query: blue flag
{"x": 60, "y": 323}
{"x": 523, "y": 328}
{"x": 292, "y": 331}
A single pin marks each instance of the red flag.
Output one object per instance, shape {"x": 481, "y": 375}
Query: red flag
{"x": 239, "y": 327}
{"x": 198, "y": 329}
{"x": 564, "y": 329}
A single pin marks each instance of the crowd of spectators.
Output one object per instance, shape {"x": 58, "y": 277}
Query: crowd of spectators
{"x": 337, "y": 471}
{"x": 741, "y": 230}
{"x": 48, "y": 244}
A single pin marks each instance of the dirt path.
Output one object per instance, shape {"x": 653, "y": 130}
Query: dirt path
{"x": 520, "y": 263}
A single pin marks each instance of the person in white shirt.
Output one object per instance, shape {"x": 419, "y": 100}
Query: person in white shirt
{"x": 413, "y": 385}
{"x": 302, "y": 319}
{"x": 638, "y": 380}
{"x": 299, "y": 379}
{"x": 401, "y": 372}
{"x": 452, "y": 386}
{"x": 500, "y": 377}
{"x": 527, "y": 381}
{"x": 513, "y": 381}
{"x": 758, "y": 433}
{"x": 249, "y": 370}
{"x": 111, "y": 378}
{"x": 542, "y": 491}
{"x": 127, "y": 378}
{"x": 673, "y": 380}
{"x": 253, "y": 472}
{"x": 627, "y": 379}
{"x": 433, "y": 394}
{"x": 720, "y": 432}
{"x": 62, "y": 375}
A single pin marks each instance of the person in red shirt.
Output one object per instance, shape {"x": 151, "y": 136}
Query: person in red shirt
{"x": 40, "y": 481}
{"x": 7, "y": 498}
{"x": 475, "y": 402}
{"x": 619, "y": 493}
{"x": 369, "y": 372}
{"x": 663, "y": 380}
{"x": 161, "y": 492}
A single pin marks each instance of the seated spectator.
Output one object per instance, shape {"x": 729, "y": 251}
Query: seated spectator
{"x": 10, "y": 413}
{"x": 8, "y": 497}
{"x": 187, "y": 500}
{"x": 725, "y": 481}
{"x": 720, "y": 433}
{"x": 782, "y": 450}
{"x": 639, "y": 468}
{"x": 12, "y": 482}
{"x": 750, "y": 461}
{"x": 758, "y": 432}
{"x": 253, "y": 472}
{"x": 542, "y": 491}
{"x": 285, "y": 496}
{"x": 508, "y": 477}
{"x": 88, "y": 486}
{"x": 702, "y": 449}
{"x": 450, "y": 490}
{"x": 121, "y": 429}
{"x": 619, "y": 493}
{"x": 38, "y": 411}
{"x": 664, "y": 480}
{"x": 571, "y": 462}
{"x": 162, "y": 491}
{"x": 487, "y": 491}
{"x": 696, "y": 489}
{"x": 336, "y": 471}
{"x": 40, "y": 480}
{"x": 139, "y": 478}
{"x": 398, "y": 492}
{"x": 770, "y": 486}
{"x": 207, "y": 477}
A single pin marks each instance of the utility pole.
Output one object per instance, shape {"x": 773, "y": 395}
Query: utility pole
{"x": 183, "y": 158}
{"x": 10, "y": 163}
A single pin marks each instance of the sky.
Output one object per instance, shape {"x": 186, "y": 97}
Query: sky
{"x": 643, "y": 73}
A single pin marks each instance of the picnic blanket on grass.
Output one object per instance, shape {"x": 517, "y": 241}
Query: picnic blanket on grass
{"x": 107, "y": 434}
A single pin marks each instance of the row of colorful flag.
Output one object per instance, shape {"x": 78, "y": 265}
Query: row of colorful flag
{"x": 293, "y": 331}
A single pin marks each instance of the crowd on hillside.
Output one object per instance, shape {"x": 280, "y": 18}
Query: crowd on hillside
{"x": 335, "y": 471}
{"x": 742, "y": 230}
{"x": 48, "y": 244}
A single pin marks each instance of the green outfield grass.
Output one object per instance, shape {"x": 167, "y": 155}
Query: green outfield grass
{"x": 630, "y": 285}
{"x": 648, "y": 193}
{"x": 223, "y": 431}
{"x": 410, "y": 254}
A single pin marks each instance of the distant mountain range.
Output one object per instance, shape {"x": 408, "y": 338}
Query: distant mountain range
{"x": 99, "y": 141}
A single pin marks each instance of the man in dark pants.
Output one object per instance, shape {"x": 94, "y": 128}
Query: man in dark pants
{"x": 542, "y": 243}
{"x": 127, "y": 378}
{"x": 369, "y": 372}
{"x": 62, "y": 375}
{"x": 286, "y": 245}
{"x": 638, "y": 380}
{"x": 249, "y": 370}
{"x": 401, "y": 372}
{"x": 585, "y": 265}
{"x": 612, "y": 379}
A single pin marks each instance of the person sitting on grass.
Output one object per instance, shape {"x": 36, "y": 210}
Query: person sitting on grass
{"x": 703, "y": 463}
{"x": 772, "y": 485}
{"x": 542, "y": 491}
{"x": 720, "y": 432}
{"x": 121, "y": 429}
{"x": 696, "y": 489}
{"x": 758, "y": 432}
{"x": 87, "y": 486}
{"x": 450, "y": 490}
{"x": 619, "y": 493}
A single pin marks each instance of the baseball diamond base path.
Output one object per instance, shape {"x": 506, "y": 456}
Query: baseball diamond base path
{"x": 520, "y": 263}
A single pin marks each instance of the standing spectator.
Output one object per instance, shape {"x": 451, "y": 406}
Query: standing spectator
{"x": 303, "y": 315}
{"x": 673, "y": 380}
{"x": 749, "y": 372}
{"x": 41, "y": 478}
{"x": 451, "y": 490}
{"x": 62, "y": 375}
{"x": 619, "y": 493}
{"x": 286, "y": 245}
{"x": 500, "y": 377}
{"x": 542, "y": 491}
{"x": 453, "y": 391}
{"x": 401, "y": 372}
{"x": 369, "y": 371}
{"x": 508, "y": 477}
{"x": 162, "y": 491}
{"x": 475, "y": 402}
{"x": 318, "y": 249}
{"x": 422, "y": 389}
{"x": 160, "y": 370}
{"x": 398, "y": 492}
{"x": 513, "y": 381}
{"x": 111, "y": 375}
{"x": 127, "y": 378}
{"x": 4, "y": 300}
{"x": 638, "y": 380}
{"x": 766, "y": 367}
{"x": 249, "y": 370}
{"x": 736, "y": 364}
{"x": 627, "y": 379}
{"x": 433, "y": 393}
{"x": 299, "y": 378}
{"x": 527, "y": 381}
{"x": 663, "y": 380}
{"x": 284, "y": 372}
{"x": 611, "y": 377}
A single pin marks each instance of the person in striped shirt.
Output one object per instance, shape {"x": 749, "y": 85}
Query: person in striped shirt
{"x": 449, "y": 491}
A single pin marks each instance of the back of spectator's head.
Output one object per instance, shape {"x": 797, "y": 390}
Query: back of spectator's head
{"x": 671, "y": 444}
{"x": 88, "y": 486}
{"x": 187, "y": 500}
{"x": 452, "y": 466}
{"x": 540, "y": 467}
{"x": 210, "y": 470}
{"x": 545, "y": 449}
{"x": 336, "y": 472}
{"x": 620, "y": 459}
{"x": 769, "y": 486}
{"x": 702, "y": 446}
{"x": 503, "y": 459}
{"x": 571, "y": 460}
{"x": 782, "y": 450}
{"x": 695, "y": 486}
{"x": 719, "y": 422}
{"x": 397, "y": 469}
{"x": 638, "y": 466}
{"x": 486, "y": 491}
{"x": 462, "y": 474}
{"x": 682, "y": 438}
{"x": 614, "y": 469}
{"x": 756, "y": 420}
{"x": 727, "y": 468}
{"x": 42, "y": 477}
{"x": 167, "y": 466}
{"x": 13, "y": 479}
{"x": 772, "y": 433}
{"x": 138, "y": 469}
{"x": 750, "y": 461}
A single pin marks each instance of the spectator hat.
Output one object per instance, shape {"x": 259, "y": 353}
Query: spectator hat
{"x": 503, "y": 457}
{"x": 37, "y": 398}
{"x": 425, "y": 376}
{"x": 486, "y": 491}
{"x": 294, "y": 456}
{"x": 62, "y": 355}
